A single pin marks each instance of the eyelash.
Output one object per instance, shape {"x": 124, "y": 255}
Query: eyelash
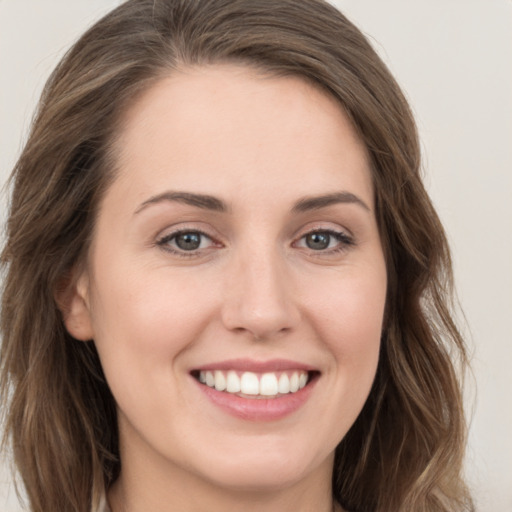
{"x": 344, "y": 242}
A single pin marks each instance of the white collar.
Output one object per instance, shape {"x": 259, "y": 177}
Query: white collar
{"x": 103, "y": 506}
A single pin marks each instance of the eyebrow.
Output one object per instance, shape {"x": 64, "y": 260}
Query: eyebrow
{"x": 212, "y": 203}
{"x": 317, "y": 202}
{"x": 203, "y": 201}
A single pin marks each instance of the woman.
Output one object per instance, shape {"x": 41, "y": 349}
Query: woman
{"x": 226, "y": 287}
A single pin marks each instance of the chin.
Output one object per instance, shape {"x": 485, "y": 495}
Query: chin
{"x": 264, "y": 469}
{"x": 258, "y": 478}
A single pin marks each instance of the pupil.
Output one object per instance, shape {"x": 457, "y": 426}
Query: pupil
{"x": 318, "y": 241}
{"x": 188, "y": 241}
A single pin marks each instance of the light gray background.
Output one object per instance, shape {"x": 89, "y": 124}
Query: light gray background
{"x": 454, "y": 60}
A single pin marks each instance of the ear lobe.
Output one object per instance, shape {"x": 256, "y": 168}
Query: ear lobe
{"x": 73, "y": 302}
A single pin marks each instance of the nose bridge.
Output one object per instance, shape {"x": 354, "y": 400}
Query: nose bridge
{"x": 259, "y": 296}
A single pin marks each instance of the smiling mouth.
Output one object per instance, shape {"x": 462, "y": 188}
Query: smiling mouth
{"x": 255, "y": 385}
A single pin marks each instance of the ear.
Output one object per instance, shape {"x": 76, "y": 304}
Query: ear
{"x": 72, "y": 297}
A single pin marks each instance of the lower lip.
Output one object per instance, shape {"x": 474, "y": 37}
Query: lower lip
{"x": 258, "y": 409}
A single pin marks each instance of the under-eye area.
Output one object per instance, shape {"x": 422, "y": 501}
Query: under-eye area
{"x": 256, "y": 385}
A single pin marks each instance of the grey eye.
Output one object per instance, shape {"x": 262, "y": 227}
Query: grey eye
{"x": 186, "y": 243}
{"x": 189, "y": 241}
{"x": 318, "y": 241}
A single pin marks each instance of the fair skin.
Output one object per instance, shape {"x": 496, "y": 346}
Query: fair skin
{"x": 279, "y": 270}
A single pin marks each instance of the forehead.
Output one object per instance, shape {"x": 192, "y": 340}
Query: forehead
{"x": 229, "y": 130}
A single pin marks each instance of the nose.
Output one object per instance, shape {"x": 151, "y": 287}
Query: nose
{"x": 259, "y": 298}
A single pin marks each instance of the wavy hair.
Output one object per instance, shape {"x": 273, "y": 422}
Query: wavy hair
{"x": 405, "y": 450}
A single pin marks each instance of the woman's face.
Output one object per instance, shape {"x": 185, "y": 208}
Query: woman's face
{"x": 238, "y": 245}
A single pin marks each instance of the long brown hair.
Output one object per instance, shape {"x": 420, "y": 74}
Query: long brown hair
{"x": 405, "y": 450}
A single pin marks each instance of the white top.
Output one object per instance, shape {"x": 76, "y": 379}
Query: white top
{"x": 103, "y": 506}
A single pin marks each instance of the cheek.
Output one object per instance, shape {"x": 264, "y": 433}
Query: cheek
{"x": 351, "y": 305}
{"x": 143, "y": 321}
{"x": 347, "y": 314}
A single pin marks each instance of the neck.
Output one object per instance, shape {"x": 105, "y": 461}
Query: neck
{"x": 163, "y": 487}
{"x": 124, "y": 498}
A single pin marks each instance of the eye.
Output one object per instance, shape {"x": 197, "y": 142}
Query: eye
{"x": 185, "y": 241}
{"x": 318, "y": 241}
{"x": 325, "y": 240}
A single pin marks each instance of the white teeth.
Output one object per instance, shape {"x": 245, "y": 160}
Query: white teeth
{"x": 294, "y": 382}
{"x": 266, "y": 384}
{"x": 233, "y": 382}
{"x": 249, "y": 384}
{"x": 284, "y": 384}
{"x": 220, "y": 381}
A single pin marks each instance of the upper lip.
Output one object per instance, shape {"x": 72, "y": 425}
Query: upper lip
{"x": 251, "y": 365}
